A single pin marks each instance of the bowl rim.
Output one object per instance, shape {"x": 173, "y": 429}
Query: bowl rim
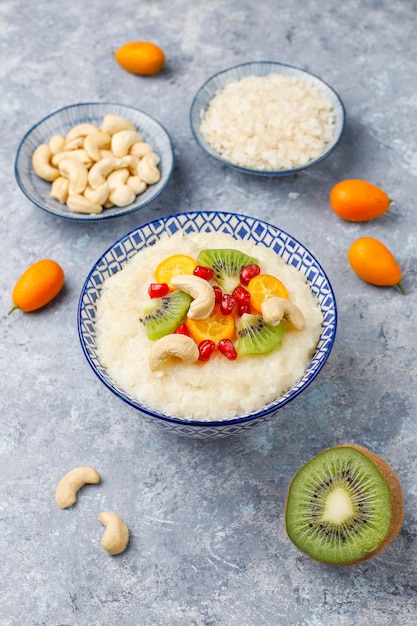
{"x": 272, "y": 173}
{"x": 105, "y": 215}
{"x": 264, "y": 412}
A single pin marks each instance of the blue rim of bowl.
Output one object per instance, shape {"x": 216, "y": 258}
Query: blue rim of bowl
{"x": 318, "y": 82}
{"x": 108, "y": 213}
{"x": 267, "y": 411}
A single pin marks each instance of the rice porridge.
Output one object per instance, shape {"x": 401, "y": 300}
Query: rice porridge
{"x": 218, "y": 389}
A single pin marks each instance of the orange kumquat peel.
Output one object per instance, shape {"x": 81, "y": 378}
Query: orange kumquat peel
{"x": 140, "y": 57}
{"x": 215, "y": 327}
{"x": 358, "y": 201}
{"x": 264, "y": 286}
{"x": 372, "y": 261}
{"x": 37, "y": 286}
{"x": 174, "y": 266}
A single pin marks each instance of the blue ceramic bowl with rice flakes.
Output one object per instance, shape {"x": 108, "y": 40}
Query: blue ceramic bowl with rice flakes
{"x": 61, "y": 122}
{"x": 220, "y": 80}
{"x": 241, "y": 228}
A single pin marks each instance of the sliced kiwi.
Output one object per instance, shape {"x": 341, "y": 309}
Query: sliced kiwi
{"x": 255, "y": 336}
{"x": 163, "y": 315}
{"x": 344, "y": 506}
{"x": 226, "y": 264}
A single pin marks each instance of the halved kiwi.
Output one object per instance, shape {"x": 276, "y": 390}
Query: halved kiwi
{"x": 344, "y": 506}
{"x": 163, "y": 315}
{"x": 226, "y": 264}
{"x": 255, "y": 336}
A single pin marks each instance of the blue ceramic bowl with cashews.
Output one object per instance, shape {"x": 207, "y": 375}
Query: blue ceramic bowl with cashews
{"x": 267, "y": 118}
{"x": 132, "y": 252}
{"x": 93, "y": 161}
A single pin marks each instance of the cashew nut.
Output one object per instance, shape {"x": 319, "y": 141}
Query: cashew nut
{"x": 101, "y": 169}
{"x": 116, "y": 536}
{"x": 148, "y": 170}
{"x": 80, "y": 130}
{"x": 80, "y": 154}
{"x": 95, "y": 142}
{"x": 136, "y": 184}
{"x": 56, "y": 143}
{"x": 41, "y": 162}
{"x": 140, "y": 148}
{"x": 123, "y": 140}
{"x": 78, "y": 203}
{"x": 75, "y": 144}
{"x": 107, "y": 153}
{"x": 131, "y": 162}
{"x": 98, "y": 195}
{"x": 200, "y": 290}
{"x": 76, "y": 172}
{"x": 275, "y": 309}
{"x": 120, "y": 194}
{"x": 68, "y": 487}
{"x": 117, "y": 177}
{"x": 114, "y": 123}
{"x": 175, "y": 345}
{"x": 59, "y": 189}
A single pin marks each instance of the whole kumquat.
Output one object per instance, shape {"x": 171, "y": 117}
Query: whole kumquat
{"x": 38, "y": 285}
{"x": 371, "y": 260}
{"x": 140, "y": 57}
{"x": 358, "y": 201}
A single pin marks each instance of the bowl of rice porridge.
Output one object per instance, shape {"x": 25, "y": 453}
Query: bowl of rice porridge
{"x": 198, "y": 356}
{"x": 267, "y": 118}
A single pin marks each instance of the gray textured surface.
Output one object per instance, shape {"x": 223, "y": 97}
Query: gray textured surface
{"x": 208, "y": 545}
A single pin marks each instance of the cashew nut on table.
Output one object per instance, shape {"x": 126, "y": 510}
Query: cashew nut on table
{"x": 80, "y": 165}
{"x": 116, "y": 536}
{"x": 69, "y": 485}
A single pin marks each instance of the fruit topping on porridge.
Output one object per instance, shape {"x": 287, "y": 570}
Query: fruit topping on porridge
{"x": 219, "y": 303}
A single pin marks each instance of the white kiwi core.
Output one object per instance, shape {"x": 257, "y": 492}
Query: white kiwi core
{"x": 338, "y": 506}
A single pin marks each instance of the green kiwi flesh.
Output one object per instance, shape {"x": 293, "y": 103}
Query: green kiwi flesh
{"x": 255, "y": 336}
{"x": 226, "y": 264}
{"x": 340, "y": 506}
{"x": 163, "y": 315}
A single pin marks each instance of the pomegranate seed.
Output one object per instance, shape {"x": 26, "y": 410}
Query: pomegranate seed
{"x": 205, "y": 349}
{"x": 226, "y": 347}
{"x": 227, "y": 304}
{"x": 218, "y": 295}
{"x": 182, "y": 330}
{"x": 249, "y": 271}
{"x": 203, "y": 272}
{"x": 241, "y": 295}
{"x": 158, "y": 290}
{"x": 243, "y": 308}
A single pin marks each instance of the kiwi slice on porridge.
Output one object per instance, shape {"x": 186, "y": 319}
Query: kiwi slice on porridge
{"x": 162, "y": 316}
{"x": 344, "y": 506}
{"x": 255, "y": 336}
{"x": 226, "y": 265}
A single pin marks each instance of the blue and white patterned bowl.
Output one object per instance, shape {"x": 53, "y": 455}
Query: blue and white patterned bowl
{"x": 263, "y": 68}
{"x": 60, "y": 122}
{"x": 241, "y": 228}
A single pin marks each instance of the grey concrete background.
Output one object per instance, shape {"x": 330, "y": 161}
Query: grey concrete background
{"x": 208, "y": 545}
